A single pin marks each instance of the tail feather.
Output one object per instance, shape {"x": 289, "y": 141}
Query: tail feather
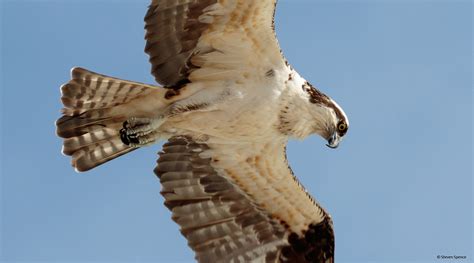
{"x": 98, "y": 153}
{"x": 89, "y": 90}
{"x": 91, "y": 120}
{"x": 96, "y": 135}
{"x": 76, "y": 125}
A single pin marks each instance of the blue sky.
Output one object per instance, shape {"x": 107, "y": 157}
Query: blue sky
{"x": 399, "y": 187}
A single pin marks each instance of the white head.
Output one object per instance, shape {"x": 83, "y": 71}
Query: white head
{"x": 330, "y": 121}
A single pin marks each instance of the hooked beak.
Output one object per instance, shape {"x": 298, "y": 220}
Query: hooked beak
{"x": 333, "y": 141}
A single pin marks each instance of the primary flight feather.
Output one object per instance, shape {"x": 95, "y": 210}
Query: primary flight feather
{"x": 227, "y": 104}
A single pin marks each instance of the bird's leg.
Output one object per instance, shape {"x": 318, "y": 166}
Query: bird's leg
{"x": 141, "y": 131}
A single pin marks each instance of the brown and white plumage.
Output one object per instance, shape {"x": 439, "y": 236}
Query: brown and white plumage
{"x": 230, "y": 103}
{"x": 228, "y": 217}
{"x": 95, "y": 106}
{"x": 205, "y": 40}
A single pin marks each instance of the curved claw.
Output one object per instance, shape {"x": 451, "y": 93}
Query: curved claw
{"x": 138, "y": 132}
{"x": 128, "y": 139}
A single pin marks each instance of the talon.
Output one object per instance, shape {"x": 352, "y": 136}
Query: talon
{"x": 124, "y": 136}
{"x": 125, "y": 125}
{"x": 128, "y": 139}
{"x": 138, "y": 132}
{"x": 133, "y": 138}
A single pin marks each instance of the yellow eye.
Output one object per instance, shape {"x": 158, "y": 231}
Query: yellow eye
{"x": 342, "y": 127}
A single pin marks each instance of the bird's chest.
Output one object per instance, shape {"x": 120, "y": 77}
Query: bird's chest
{"x": 245, "y": 113}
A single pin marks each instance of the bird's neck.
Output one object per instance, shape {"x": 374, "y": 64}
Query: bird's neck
{"x": 296, "y": 118}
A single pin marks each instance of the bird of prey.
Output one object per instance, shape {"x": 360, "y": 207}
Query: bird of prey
{"x": 227, "y": 103}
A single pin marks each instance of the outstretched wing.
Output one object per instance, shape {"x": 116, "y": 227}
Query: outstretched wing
{"x": 233, "y": 206}
{"x": 193, "y": 40}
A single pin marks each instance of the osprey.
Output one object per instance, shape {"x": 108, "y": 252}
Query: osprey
{"x": 227, "y": 104}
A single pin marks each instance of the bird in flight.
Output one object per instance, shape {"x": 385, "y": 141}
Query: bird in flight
{"x": 227, "y": 103}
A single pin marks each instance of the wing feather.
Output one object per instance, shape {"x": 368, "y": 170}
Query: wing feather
{"x": 223, "y": 221}
{"x": 190, "y": 36}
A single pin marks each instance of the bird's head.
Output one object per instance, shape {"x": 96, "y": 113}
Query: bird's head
{"x": 331, "y": 122}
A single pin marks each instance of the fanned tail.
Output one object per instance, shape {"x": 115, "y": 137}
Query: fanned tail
{"x": 93, "y": 115}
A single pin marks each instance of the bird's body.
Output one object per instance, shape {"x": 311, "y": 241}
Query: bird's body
{"x": 230, "y": 103}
